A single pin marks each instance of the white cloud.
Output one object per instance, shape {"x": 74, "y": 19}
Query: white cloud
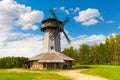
{"x": 19, "y": 44}
{"x": 12, "y": 43}
{"x": 77, "y": 41}
{"x": 88, "y": 17}
{"x": 93, "y": 39}
{"x": 90, "y": 22}
{"x": 119, "y": 27}
{"x": 27, "y": 20}
{"x": 29, "y": 45}
{"x": 68, "y": 11}
{"x": 109, "y": 21}
{"x": 12, "y": 14}
{"x": 64, "y": 10}
{"x": 76, "y": 9}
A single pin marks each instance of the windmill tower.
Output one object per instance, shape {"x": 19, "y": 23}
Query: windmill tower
{"x": 52, "y": 28}
{"x": 51, "y": 56}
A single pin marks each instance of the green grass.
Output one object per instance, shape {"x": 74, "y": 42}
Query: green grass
{"x": 8, "y": 75}
{"x": 106, "y": 71}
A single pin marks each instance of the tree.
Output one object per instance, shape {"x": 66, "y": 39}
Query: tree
{"x": 12, "y": 62}
{"x": 84, "y": 54}
{"x": 111, "y": 48}
{"x": 94, "y": 55}
{"x": 103, "y": 53}
{"x": 117, "y": 49}
{"x": 71, "y": 53}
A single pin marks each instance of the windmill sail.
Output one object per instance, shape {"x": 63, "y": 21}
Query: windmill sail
{"x": 61, "y": 26}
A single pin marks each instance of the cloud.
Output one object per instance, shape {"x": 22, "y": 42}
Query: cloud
{"x": 119, "y": 27}
{"x": 74, "y": 10}
{"x": 77, "y": 41}
{"x": 88, "y": 17}
{"x": 29, "y": 45}
{"x": 68, "y": 11}
{"x": 90, "y": 22}
{"x": 109, "y": 21}
{"x": 27, "y": 20}
{"x": 14, "y": 14}
{"x": 93, "y": 39}
{"x": 64, "y": 10}
{"x": 19, "y": 44}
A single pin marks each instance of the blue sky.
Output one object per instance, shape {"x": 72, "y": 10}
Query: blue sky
{"x": 91, "y": 21}
{"x": 109, "y": 10}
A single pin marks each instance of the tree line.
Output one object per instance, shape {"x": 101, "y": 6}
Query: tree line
{"x": 103, "y": 53}
{"x": 12, "y": 62}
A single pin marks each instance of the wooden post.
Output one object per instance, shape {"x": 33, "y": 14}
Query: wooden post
{"x": 54, "y": 65}
{"x": 46, "y": 65}
{"x": 61, "y": 65}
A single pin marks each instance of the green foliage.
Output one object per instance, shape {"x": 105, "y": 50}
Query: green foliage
{"x": 84, "y": 51}
{"x": 7, "y": 75}
{"x": 78, "y": 66}
{"x": 107, "y": 71}
{"x": 103, "y": 53}
{"x": 71, "y": 53}
{"x": 12, "y": 62}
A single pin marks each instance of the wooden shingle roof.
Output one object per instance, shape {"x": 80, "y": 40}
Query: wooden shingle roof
{"x": 51, "y": 57}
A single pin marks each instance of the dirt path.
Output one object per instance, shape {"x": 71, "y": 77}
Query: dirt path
{"x": 76, "y": 75}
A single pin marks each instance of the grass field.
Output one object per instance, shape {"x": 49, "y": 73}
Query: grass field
{"x": 43, "y": 75}
{"x": 106, "y": 71}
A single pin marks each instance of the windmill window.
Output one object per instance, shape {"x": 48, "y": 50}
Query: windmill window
{"x": 52, "y": 47}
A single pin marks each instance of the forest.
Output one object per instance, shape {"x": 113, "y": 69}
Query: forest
{"x": 103, "y": 53}
{"x": 12, "y": 62}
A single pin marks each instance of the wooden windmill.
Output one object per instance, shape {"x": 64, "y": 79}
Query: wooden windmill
{"x": 52, "y": 28}
{"x": 51, "y": 56}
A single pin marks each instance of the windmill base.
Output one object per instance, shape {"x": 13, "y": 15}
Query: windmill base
{"x": 50, "y": 61}
{"x": 36, "y": 65}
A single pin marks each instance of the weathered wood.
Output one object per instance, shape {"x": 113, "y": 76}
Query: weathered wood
{"x": 51, "y": 56}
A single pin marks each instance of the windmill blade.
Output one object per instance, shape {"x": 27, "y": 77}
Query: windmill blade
{"x": 67, "y": 38}
{"x": 53, "y": 13}
{"x": 65, "y": 21}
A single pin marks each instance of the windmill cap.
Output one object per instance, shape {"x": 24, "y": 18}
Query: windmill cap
{"x": 51, "y": 19}
{"x": 51, "y": 23}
